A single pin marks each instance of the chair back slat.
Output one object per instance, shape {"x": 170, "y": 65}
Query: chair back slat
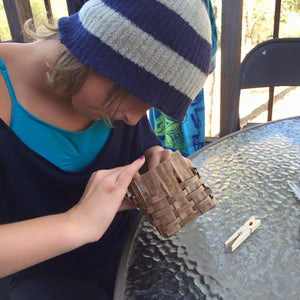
{"x": 271, "y": 63}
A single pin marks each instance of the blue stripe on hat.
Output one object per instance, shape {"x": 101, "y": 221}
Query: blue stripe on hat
{"x": 149, "y": 18}
{"x": 103, "y": 59}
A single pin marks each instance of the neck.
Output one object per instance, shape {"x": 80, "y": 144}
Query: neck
{"x": 40, "y": 55}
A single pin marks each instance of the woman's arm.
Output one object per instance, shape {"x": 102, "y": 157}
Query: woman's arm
{"x": 24, "y": 244}
{"x": 27, "y": 243}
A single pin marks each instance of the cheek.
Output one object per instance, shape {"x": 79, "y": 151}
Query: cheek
{"x": 88, "y": 95}
{"x": 88, "y": 98}
{"x": 81, "y": 106}
{"x": 75, "y": 101}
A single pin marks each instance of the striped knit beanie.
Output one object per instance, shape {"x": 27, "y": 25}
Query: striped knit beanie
{"x": 158, "y": 50}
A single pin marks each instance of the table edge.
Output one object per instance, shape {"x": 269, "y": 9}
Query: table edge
{"x": 121, "y": 273}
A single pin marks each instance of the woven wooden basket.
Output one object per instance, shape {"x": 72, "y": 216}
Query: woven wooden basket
{"x": 172, "y": 196}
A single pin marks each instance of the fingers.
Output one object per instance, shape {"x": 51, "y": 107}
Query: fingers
{"x": 126, "y": 204}
{"x": 157, "y": 157}
{"x": 189, "y": 162}
{"x": 126, "y": 173}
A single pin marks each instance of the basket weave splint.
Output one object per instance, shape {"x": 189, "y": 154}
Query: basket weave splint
{"x": 172, "y": 196}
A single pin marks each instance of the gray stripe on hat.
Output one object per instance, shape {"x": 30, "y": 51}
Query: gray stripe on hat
{"x": 120, "y": 34}
{"x": 197, "y": 18}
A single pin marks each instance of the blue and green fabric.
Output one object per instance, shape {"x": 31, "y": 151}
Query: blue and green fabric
{"x": 189, "y": 135}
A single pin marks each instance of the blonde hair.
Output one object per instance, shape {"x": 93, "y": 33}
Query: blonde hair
{"x": 67, "y": 74}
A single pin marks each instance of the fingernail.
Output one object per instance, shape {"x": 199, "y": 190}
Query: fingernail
{"x": 142, "y": 157}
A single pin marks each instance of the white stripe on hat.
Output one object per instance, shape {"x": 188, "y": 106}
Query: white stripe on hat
{"x": 195, "y": 17}
{"x": 119, "y": 33}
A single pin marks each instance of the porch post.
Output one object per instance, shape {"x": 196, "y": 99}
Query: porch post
{"x": 231, "y": 36}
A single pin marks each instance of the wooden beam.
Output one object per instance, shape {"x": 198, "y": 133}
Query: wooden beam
{"x": 17, "y": 12}
{"x": 277, "y": 19}
{"x": 49, "y": 11}
{"x": 275, "y": 35}
{"x": 231, "y": 36}
{"x": 25, "y": 13}
{"x": 13, "y": 20}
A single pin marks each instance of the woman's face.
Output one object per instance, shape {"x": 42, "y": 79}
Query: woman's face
{"x": 89, "y": 100}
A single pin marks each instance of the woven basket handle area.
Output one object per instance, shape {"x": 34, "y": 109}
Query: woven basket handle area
{"x": 172, "y": 195}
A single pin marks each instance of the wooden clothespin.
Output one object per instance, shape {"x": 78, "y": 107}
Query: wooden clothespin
{"x": 242, "y": 233}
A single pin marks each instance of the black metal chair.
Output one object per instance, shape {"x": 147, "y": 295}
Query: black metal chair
{"x": 271, "y": 63}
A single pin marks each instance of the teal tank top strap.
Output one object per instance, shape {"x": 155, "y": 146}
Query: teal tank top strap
{"x": 10, "y": 88}
{"x": 70, "y": 151}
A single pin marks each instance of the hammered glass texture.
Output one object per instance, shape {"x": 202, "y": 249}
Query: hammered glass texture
{"x": 248, "y": 174}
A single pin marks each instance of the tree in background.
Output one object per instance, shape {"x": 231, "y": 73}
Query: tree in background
{"x": 258, "y": 20}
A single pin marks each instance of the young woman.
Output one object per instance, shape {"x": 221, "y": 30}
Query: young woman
{"x": 73, "y": 125}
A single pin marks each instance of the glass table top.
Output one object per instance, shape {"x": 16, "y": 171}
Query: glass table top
{"x": 248, "y": 173}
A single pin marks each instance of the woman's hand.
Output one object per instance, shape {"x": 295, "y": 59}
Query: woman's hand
{"x": 26, "y": 243}
{"x": 103, "y": 198}
{"x": 156, "y": 155}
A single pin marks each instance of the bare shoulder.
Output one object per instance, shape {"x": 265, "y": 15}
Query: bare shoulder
{"x": 5, "y": 101}
{"x": 12, "y": 55}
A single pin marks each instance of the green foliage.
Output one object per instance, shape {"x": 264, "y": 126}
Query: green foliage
{"x": 259, "y": 20}
{"x": 59, "y": 9}
{"x": 4, "y": 31}
{"x": 38, "y": 12}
